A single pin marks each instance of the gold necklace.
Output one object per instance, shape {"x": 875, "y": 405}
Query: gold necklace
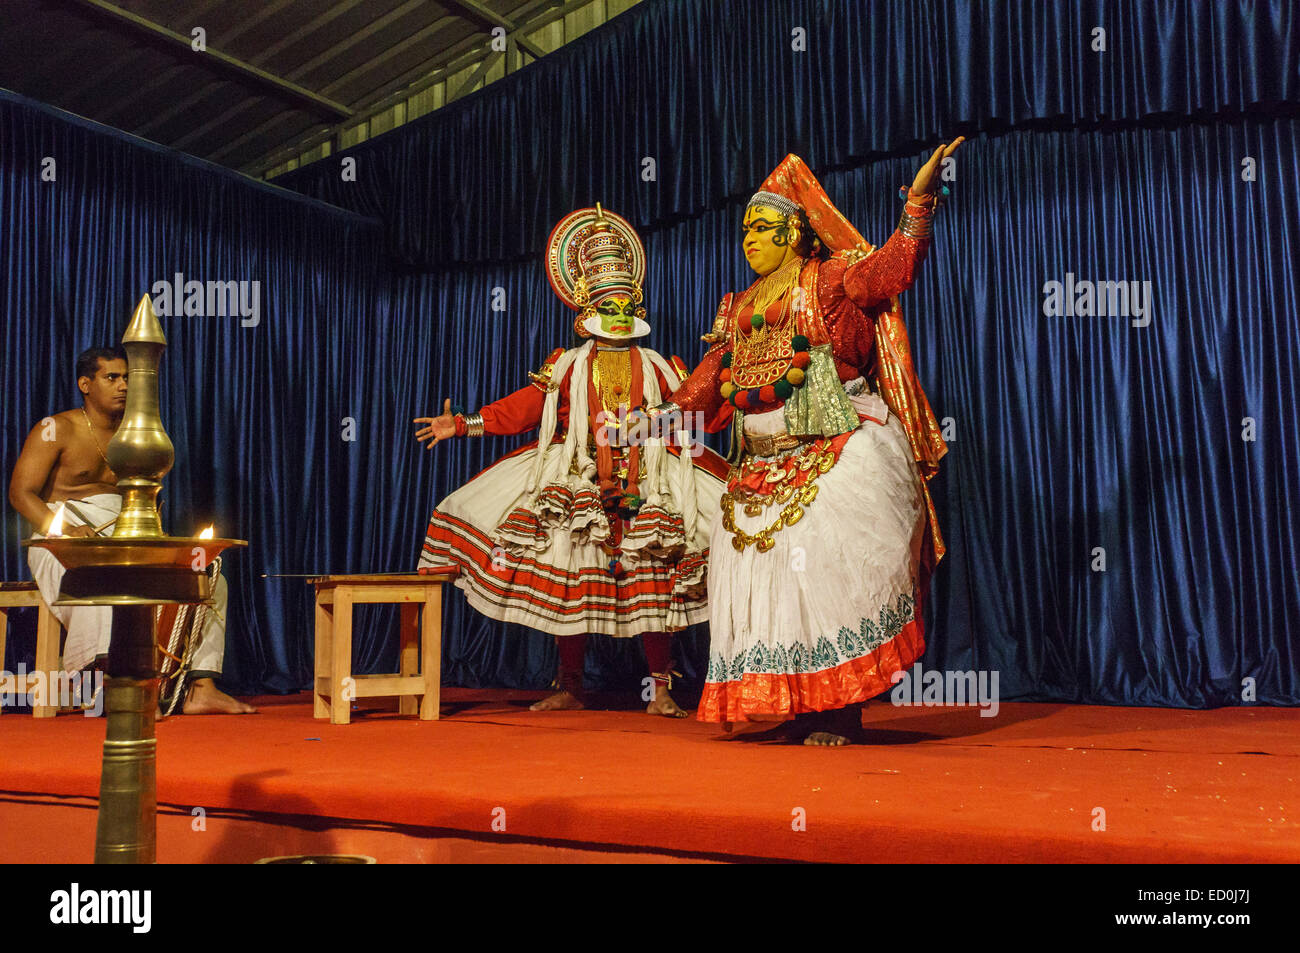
{"x": 771, "y": 287}
{"x": 95, "y": 439}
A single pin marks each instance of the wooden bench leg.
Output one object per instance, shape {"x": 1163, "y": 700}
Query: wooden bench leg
{"x": 431, "y": 649}
{"x": 341, "y": 686}
{"x": 324, "y": 648}
{"x": 48, "y": 662}
{"x": 409, "y": 653}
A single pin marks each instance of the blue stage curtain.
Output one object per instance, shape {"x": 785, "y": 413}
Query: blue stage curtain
{"x": 714, "y": 93}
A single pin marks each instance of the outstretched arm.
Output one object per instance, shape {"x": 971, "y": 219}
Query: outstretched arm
{"x": 891, "y": 269}
{"x": 515, "y": 413}
{"x": 512, "y": 414}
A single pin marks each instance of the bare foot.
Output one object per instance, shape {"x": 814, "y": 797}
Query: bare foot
{"x": 826, "y": 739}
{"x": 560, "y": 701}
{"x": 664, "y": 704}
{"x": 204, "y": 698}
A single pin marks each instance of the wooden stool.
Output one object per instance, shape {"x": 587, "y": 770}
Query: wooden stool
{"x": 421, "y": 642}
{"x": 13, "y": 595}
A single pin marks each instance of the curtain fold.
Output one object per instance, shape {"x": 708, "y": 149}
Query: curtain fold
{"x": 715, "y": 93}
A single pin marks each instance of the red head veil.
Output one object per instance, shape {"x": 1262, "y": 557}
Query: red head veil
{"x": 899, "y": 385}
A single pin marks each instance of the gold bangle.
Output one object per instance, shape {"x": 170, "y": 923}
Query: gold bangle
{"x": 915, "y": 226}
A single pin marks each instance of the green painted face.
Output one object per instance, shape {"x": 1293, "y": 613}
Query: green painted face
{"x": 617, "y": 315}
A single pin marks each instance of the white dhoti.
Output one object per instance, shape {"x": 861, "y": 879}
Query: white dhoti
{"x": 551, "y": 575}
{"x": 89, "y": 628}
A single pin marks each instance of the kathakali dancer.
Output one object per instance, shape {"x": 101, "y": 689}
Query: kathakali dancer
{"x": 826, "y": 536}
{"x": 601, "y": 525}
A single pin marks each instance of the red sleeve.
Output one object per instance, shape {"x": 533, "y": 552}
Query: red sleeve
{"x": 889, "y": 270}
{"x": 700, "y": 392}
{"x": 720, "y": 419}
{"x": 852, "y": 332}
{"x": 515, "y": 412}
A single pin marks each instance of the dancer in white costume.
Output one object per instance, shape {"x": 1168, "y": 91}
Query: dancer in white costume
{"x": 63, "y": 466}
{"x": 596, "y": 528}
{"x": 821, "y": 551}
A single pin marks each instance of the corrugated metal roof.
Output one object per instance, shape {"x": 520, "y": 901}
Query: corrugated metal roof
{"x": 267, "y": 80}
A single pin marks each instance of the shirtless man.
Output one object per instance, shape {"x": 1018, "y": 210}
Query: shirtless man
{"x": 63, "y": 461}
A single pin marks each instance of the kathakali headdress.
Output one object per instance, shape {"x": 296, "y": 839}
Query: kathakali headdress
{"x": 792, "y": 188}
{"x": 593, "y": 255}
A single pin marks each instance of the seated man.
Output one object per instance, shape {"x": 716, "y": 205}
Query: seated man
{"x": 63, "y": 463}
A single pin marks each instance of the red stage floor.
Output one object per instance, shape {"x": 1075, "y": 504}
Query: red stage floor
{"x": 934, "y": 785}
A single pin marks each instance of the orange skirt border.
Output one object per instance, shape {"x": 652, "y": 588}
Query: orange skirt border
{"x": 786, "y": 695}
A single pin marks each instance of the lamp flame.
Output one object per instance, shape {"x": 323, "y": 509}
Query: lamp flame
{"x": 208, "y": 533}
{"x": 56, "y": 524}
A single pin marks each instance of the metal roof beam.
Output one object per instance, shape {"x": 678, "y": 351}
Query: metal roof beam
{"x": 242, "y": 106}
{"x": 245, "y": 71}
{"x": 473, "y": 10}
{"x": 476, "y": 77}
{"x": 546, "y": 13}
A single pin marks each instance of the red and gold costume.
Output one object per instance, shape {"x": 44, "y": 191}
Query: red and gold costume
{"x": 600, "y": 525}
{"x": 826, "y": 536}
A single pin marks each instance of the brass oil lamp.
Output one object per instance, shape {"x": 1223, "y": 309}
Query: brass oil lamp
{"x": 134, "y": 570}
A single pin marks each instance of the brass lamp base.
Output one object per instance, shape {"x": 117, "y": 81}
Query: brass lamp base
{"x": 132, "y": 574}
{"x": 112, "y": 571}
{"x": 126, "y": 832}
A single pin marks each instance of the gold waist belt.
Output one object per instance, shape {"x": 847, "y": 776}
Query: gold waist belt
{"x": 768, "y": 445}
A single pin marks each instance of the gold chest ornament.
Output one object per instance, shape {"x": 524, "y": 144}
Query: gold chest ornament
{"x": 611, "y": 372}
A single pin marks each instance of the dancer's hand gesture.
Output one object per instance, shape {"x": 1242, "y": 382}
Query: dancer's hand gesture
{"x": 926, "y": 179}
{"x": 437, "y": 428}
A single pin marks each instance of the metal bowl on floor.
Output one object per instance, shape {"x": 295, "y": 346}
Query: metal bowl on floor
{"x": 319, "y": 859}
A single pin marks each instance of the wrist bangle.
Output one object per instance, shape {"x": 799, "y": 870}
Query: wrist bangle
{"x": 915, "y": 226}
{"x": 930, "y": 200}
{"x": 473, "y": 425}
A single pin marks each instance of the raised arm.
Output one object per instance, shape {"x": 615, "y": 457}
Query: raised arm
{"x": 891, "y": 269}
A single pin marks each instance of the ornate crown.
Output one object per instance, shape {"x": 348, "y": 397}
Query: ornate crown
{"x": 591, "y": 255}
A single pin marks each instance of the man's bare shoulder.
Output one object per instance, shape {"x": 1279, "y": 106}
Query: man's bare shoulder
{"x": 57, "y": 432}
{"x": 57, "y": 428}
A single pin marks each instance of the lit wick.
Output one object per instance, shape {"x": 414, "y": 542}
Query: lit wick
{"x": 208, "y": 533}
{"x": 56, "y": 524}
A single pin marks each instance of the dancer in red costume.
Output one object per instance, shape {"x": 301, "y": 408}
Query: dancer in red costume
{"x": 599, "y": 526}
{"x": 826, "y": 537}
